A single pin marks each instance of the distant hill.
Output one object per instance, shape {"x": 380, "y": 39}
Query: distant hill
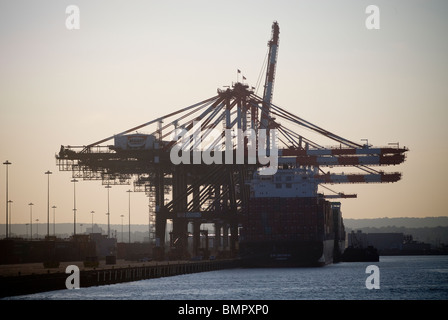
{"x": 429, "y": 222}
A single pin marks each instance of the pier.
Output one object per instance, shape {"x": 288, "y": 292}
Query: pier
{"x": 47, "y": 279}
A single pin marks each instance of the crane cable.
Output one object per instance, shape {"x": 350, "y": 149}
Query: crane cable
{"x": 263, "y": 67}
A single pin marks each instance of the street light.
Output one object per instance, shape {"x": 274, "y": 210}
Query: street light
{"x": 122, "y": 227}
{"x": 48, "y": 203}
{"x": 129, "y": 191}
{"x": 27, "y": 224}
{"x": 92, "y": 212}
{"x": 31, "y": 219}
{"x": 54, "y": 221}
{"x": 7, "y": 163}
{"x": 74, "y": 205}
{"x": 37, "y": 229}
{"x": 108, "y": 211}
{"x": 10, "y": 216}
{"x": 149, "y": 218}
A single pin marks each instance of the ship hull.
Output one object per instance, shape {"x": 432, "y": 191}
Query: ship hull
{"x": 291, "y": 232}
{"x": 290, "y": 253}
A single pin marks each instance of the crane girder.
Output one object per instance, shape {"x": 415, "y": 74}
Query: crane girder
{"x": 358, "y": 178}
{"x": 372, "y": 160}
{"x": 236, "y": 107}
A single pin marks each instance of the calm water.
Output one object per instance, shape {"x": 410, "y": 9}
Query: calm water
{"x": 401, "y": 278}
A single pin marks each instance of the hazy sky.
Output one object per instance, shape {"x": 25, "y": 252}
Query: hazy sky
{"x": 133, "y": 61}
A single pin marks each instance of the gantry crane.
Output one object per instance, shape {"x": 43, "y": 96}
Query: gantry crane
{"x": 199, "y": 190}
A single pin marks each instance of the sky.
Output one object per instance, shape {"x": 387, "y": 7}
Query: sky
{"x": 133, "y": 61}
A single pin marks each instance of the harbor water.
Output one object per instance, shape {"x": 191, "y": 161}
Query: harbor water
{"x": 396, "y": 278}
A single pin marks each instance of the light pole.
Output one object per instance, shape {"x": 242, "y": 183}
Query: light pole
{"x": 37, "y": 229}
{"x": 10, "y": 216}
{"x": 92, "y": 212}
{"x": 27, "y": 229}
{"x": 48, "y": 203}
{"x": 108, "y": 211}
{"x": 149, "y": 219}
{"x": 74, "y": 205}
{"x": 31, "y": 219}
{"x": 122, "y": 227}
{"x": 7, "y": 163}
{"x": 129, "y": 191}
{"x": 54, "y": 220}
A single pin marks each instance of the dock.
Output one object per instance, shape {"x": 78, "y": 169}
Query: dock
{"x": 22, "y": 279}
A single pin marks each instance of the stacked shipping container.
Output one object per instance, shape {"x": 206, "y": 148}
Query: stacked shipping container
{"x": 307, "y": 219}
{"x": 290, "y": 232}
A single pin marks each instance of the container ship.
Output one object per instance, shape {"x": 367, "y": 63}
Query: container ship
{"x": 288, "y": 224}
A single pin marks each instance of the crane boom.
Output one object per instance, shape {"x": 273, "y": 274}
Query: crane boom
{"x": 270, "y": 75}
